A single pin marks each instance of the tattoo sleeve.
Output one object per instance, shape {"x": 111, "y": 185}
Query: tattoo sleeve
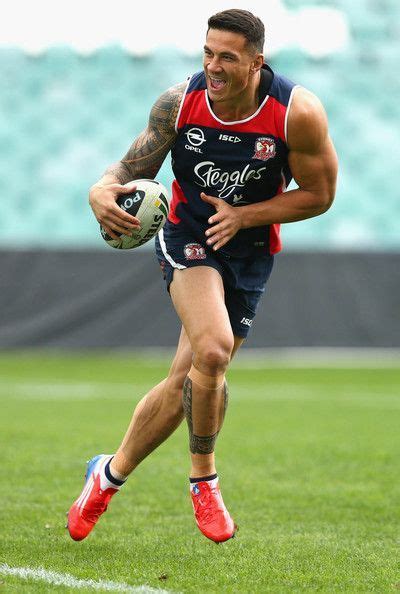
{"x": 148, "y": 151}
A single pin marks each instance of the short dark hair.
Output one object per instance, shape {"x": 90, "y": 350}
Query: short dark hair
{"x": 240, "y": 21}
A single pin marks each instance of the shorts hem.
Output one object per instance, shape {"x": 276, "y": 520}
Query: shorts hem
{"x": 193, "y": 264}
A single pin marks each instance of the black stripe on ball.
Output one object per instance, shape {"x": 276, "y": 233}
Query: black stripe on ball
{"x": 164, "y": 199}
{"x": 163, "y": 209}
{"x": 130, "y": 203}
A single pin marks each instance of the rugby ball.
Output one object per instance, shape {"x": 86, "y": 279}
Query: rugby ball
{"x": 149, "y": 203}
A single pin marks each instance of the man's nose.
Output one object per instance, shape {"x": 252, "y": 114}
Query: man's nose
{"x": 214, "y": 65}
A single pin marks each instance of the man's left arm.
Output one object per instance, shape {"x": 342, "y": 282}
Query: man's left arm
{"x": 313, "y": 162}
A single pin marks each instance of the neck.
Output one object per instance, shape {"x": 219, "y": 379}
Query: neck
{"x": 241, "y": 106}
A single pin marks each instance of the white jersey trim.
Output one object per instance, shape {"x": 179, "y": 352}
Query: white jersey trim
{"x": 182, "y": 102}
{"x": 288, "y": 109}
{"x": 166, "y": 254}
{"x": 237, "y": 121}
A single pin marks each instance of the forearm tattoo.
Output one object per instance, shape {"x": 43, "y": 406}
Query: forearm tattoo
{"x": 200, "y": 444}
{"x": 150, "y": 148}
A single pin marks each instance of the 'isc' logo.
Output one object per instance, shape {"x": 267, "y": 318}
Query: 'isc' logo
{"x": 228, "y": 138}
{"x": 246, "y": 322}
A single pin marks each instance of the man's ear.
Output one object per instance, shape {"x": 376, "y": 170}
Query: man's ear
{"x": 257, "y": 63}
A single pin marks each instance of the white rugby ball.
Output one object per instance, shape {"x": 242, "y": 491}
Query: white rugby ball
{"x": 149, "y": 203}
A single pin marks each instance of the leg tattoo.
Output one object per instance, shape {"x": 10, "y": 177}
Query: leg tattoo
{"x": 200, "y": 444}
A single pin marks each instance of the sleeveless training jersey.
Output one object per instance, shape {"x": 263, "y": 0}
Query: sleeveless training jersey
{"x": 241, "y": 162}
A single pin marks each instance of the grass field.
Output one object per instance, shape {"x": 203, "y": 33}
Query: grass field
{"x": 309, "y": 466}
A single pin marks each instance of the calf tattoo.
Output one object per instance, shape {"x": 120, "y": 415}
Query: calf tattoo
{"x": 199, "y": 444}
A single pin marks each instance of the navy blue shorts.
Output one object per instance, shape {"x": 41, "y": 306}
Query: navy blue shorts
{"x": 244, "y": 278}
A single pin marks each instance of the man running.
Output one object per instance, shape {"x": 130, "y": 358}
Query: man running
{"x": 238, "y": 132}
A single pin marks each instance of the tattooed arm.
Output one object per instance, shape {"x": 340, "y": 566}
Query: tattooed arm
{"x": 143, "y": 160}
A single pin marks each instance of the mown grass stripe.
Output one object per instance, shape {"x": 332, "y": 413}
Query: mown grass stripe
{"x": 65, "y": 579}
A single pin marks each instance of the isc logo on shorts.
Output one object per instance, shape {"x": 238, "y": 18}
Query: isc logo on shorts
{"x": 246, "y": 322}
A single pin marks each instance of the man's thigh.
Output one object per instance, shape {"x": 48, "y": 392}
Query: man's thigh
{"x": 206, "y": 298}
{"x": 198, "y": 297}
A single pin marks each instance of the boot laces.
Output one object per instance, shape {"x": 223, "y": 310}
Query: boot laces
{"x": 208, "y": 505}
{"x": 97, "y": 506}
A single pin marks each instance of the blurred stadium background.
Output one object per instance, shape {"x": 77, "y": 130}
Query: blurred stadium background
{"x": 75, "y": 94}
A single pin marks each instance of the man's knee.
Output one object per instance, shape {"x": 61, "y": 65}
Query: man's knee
{"x": 213, "y": 354}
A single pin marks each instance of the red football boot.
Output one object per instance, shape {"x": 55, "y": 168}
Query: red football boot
{"x": 211, "y": 515}
{"x": 92, "y": 502}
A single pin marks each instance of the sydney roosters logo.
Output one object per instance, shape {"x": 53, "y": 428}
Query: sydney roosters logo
{"x": 265, "y": 148}
{"x": 194, "y": 251}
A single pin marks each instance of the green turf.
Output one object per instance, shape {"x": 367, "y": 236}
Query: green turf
{"x": 309, "y": 465}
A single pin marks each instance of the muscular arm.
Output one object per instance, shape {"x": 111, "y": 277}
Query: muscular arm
{"x": 148, "y": 151}
{"x": 143, "y": 160}
{"x": 313, "y": 162}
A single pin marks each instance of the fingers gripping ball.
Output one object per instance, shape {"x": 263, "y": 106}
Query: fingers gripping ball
{"x": 149, "y": 203}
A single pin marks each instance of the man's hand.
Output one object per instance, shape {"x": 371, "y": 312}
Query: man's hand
{"x": 102, "y": 199}
{"x": 226, "y": 222}
{"x": 143, "y": 160}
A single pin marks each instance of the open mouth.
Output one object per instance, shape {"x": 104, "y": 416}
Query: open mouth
{"x": 217, "y": 83}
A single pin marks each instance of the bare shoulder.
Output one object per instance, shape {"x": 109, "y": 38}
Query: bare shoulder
{"x": 149, "y": 149}
{"x": 307, "y": 122}
{"x": 165, "y": 110}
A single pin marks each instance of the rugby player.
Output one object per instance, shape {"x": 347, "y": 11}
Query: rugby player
{"x": 238, "y": 132}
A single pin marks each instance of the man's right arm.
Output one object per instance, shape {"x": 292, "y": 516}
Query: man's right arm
{"x": 143, "y": 160}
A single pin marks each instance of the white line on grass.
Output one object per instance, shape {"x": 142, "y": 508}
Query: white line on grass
{"x": 69, "y": 581}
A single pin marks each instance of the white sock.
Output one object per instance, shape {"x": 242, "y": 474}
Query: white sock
{"x": 212, "y": 482}
{"x": 108, "y": 480}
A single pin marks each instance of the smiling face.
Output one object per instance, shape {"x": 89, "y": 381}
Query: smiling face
{"x": 229, "y": 65}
